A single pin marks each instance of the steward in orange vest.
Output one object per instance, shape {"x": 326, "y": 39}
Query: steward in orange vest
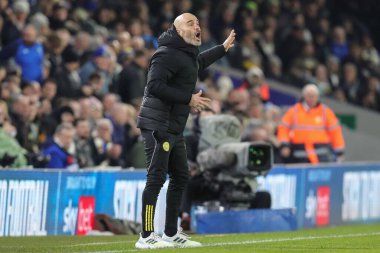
{"x": 309, "y": 131}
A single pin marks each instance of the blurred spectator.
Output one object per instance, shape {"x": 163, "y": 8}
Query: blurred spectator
{"x": 41, "y": 23}
{"x": 321, "y": 46}
{"x": 350, "y": 82}
{"x": 339, "y": 44}
{"x": 60, "y": 115}
{"x": 289, "y": 48}
{"x": 371, "y": 96}
{"x": 94, "y": 86}
{"x": 249, "y": 51}
{"x": 354, "y": 57}
{"x": 254, "y": 82}
{"x": 109, "y": 101}
{"x": 15, "y": 18}
{"x": 24, "y": 117}
{"x": 11, "y": 153}
{"x": 82, "y": 144}
{"x": 224, "y": 85}
{"x": 54, "y": 47}
{"x": 68, "y": 81}
{"x": 275, "y": 68}
{"x": 104, "y": 151}
{"x": 322, "y": 80}
{"x": 82, "y": 46}
{"x": 61, "y": 154}
{"x": 333, "y": 66}
{"x": 10, "y": 88}
{"x": 49, "y": 91}
{"x": 28, "y": 53}
{"x": 267, "y": 46}
{"x": 237, "y": 103}
{"x": 255, "y": 113}
{"x": 369, "y": 53}
{"x": 32, "y": 88}
{"x": 303, "y": 66}
{"x": 310, "y": 132}
{"x": 132, "y": 79}
{"x": 312, "y": 13}
{"x": 100, "y": 63}
{"x": 125, "y": 132}
{"x": 58, "y": 16}
{"x": 339, "y": 95}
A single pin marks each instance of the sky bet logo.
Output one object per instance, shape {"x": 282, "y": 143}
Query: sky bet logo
{"x": 323, "y": 206}
{"x": 317, "y": 208}
{"x": 79, "y": 220}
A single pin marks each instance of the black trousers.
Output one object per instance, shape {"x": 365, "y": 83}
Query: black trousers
{"x": 166, "y": 155}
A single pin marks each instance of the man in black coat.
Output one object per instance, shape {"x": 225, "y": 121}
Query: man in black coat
{"x": 167, "y": 101}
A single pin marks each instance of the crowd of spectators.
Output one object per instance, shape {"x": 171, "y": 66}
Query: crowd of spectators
{"x": 72, "y": 73}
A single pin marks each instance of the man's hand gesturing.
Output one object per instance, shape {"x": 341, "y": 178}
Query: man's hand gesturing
{"x": 229, "y": 42}
{"x": 199, "y": 103}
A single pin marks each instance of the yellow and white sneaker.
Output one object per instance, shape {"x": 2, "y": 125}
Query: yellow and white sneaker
{"x": 181, "y": 240}
{"x": 153, "y": 242}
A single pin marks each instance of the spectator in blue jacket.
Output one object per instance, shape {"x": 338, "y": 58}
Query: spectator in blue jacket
{"x": 28, "y": 53}
{"x": 61, "y": 153}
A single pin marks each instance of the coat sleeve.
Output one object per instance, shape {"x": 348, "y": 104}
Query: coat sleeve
{"x": 162, "y": 68}
{"x": 334, "y": 131}
{"x": 284, "y": 128}
{"x": 207, "y": 57}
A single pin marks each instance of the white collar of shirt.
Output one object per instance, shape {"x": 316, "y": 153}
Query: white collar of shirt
{"x": 305, "y": 106}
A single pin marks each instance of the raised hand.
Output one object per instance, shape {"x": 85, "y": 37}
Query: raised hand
{"x": 229, "y": 42}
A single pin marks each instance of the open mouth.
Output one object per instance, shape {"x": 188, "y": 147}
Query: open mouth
{"x": 198, "y": 35}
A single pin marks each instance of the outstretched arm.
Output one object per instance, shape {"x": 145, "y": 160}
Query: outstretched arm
{"x": 206, "y": 58}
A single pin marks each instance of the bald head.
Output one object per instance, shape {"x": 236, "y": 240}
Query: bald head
{"x": 310, "y": 94}
{"x": 187, "y": 26}
{"x": 310, "y": 88}
{"x": 183, "y": 18}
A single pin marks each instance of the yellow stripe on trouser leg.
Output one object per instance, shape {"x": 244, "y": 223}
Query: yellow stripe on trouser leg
{"x": 148, "y": 220}
{"x": 146, "y": 217}
{"x": 151, "y": 218}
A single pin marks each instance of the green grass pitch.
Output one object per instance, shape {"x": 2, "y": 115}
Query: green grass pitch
{"x": 344, "y": 239}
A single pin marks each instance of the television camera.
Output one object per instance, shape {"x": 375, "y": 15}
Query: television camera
{"x": 233, "y": 166}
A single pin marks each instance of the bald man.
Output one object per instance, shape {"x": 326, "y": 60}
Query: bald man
{"x": 168, "y": 98}
{"x": 309, "y": 131}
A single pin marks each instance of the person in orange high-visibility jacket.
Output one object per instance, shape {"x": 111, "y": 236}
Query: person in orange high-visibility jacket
{"x": 310, "y": 132}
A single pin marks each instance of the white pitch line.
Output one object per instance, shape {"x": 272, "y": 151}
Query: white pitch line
{"x": 302, "y": 238}
{"x": 96, "y": 243}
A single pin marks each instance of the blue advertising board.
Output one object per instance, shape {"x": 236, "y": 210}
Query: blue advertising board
{"x": 28, "y": 202}
{"x": 326, "y": 195}
{"x": 60, "y": 202}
